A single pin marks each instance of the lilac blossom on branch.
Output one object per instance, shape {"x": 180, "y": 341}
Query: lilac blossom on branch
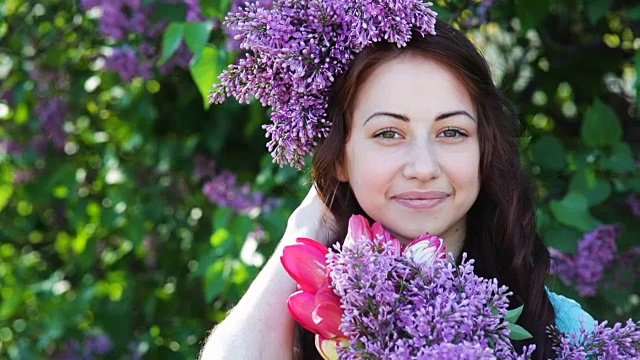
{"x": 51, "y": 108}
{"x": 222, "y": 189}
{"x": 585, "y": 270}
{"x": 616, "y": 342}
{"x": 93, "y": 346}
{"x": 297, "y": 49}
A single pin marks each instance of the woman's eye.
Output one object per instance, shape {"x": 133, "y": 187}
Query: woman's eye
{"x": 450, "y": 133}
{"x": 387, "y": 134}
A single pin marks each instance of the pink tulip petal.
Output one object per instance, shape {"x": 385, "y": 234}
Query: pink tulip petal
{"x": 426, "y": 249}
{"x": 306, "y": 265}
{"x": 326, "y": 295}
{"x": 381, "y": 234}
{"x": 301, "y": 305}
{"x": 358, "y": 229}
{"x": 327, "y": 318}
{"x": 316, "y": 245}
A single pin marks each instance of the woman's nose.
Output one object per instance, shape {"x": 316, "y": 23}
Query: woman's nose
{"x": 421, "y": 162}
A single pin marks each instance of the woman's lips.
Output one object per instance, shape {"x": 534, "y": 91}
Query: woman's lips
{"x": 421, "y": 200}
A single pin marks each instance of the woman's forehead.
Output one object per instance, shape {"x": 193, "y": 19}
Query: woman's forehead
{"x": 412, "y": 84}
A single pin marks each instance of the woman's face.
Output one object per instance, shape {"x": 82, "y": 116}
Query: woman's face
{"x": 413, "y": 154}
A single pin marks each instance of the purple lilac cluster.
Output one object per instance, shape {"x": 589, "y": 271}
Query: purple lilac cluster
{"x": 51, "y": 112}
{"x": 596, "y": 252}
{"x": 233, "y": 44}
{"x": 11, "y": 147}
{"x": 124, "y": 61}
{"x": 617, "y": 342}
{"x": 94, "y": 345}
{"x": 127, "y": 21}
{"x": 297, "y": 48}
{"x": 193, "y": 10}
{"x": 120, "y": 17}
{"x": 397, "y": 309}
{"x": 50, "y": 109}
{"x": 222, "y": 189}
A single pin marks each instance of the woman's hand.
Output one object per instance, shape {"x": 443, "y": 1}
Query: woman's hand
{"x": 311, "y": 219}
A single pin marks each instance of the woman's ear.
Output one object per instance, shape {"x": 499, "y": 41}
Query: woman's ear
{"x": 341, "y": 172}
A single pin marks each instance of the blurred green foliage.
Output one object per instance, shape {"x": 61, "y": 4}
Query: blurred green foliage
{"x": 110, "y": 232}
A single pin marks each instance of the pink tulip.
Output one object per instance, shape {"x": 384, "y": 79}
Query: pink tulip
{"x": 305, "y": 262}
{"x": 358, "y": 229}
{"x": 327, "y": 314}
{"x": 301, "y": 305}
{"x": 317, "y": 313}
{"x": 315, "y": 306}
{"x": 381, "y": 234}
{"x": 426, "y": 249}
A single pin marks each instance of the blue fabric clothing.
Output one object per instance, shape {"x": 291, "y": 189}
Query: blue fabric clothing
{"x": 569, "y": 314}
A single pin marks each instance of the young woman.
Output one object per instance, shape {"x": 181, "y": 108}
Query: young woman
{"x": 421, "y": 141}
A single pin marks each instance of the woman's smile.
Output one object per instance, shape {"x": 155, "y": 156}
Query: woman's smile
{"x": 421, "y": 200}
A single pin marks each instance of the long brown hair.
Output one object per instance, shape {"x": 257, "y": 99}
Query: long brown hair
{"x": 501, "y": 232}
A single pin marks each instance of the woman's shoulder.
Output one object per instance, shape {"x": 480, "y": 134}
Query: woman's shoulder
{"x": 570, "y": 317}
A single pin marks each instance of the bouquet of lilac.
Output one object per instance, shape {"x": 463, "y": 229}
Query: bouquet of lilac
{"x": 417, "y": 307}
{"x": 372, "y": 299}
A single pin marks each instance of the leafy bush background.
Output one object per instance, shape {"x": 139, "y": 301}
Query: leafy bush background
{"x": 133, "y": 215}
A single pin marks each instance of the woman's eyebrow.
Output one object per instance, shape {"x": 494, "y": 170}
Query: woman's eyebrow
{"x": 406, "y": 118}
{"x": 454, "y": 113}
{"x": 390, "y": 114}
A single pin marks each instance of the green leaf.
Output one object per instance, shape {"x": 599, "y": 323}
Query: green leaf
{"x": 634, "y": 13}
{"x": 168, "y": 12}
{"x": 621, "y": 160}
{"x": 517, "y": 332}
{"x": 241, "y": 225}
{"x": 561, "y": 238}
{"x": 632, "y": 184}
{"x": 548, "y": 152}
{"x": 531, "y": 13}
{"x": 171, "y": 40}
{"x": 601, "y": 126}
{"x": 595, "y": 189}
{"x": 513, "y": 314}
{"x": 543, "y": 218}
{"x": 215, "y": 279}
{"x": 214, "y": 8}
{"x": 205, "y": 72}
{"x": 196, "y": 35}
{"x": 573, "y": 210}
{"x": 79, "y": 243}
{"x": 9, "y": 306}
{"x": 596, "y": 9}
{"x": 219, "y": 237}
{"x": 615, "y": 295}
{"x": 6, "y": 190}
{"x": 221, "y": 218}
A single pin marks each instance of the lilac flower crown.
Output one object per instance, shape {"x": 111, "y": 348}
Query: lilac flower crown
{"x": 298, "y": 47}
